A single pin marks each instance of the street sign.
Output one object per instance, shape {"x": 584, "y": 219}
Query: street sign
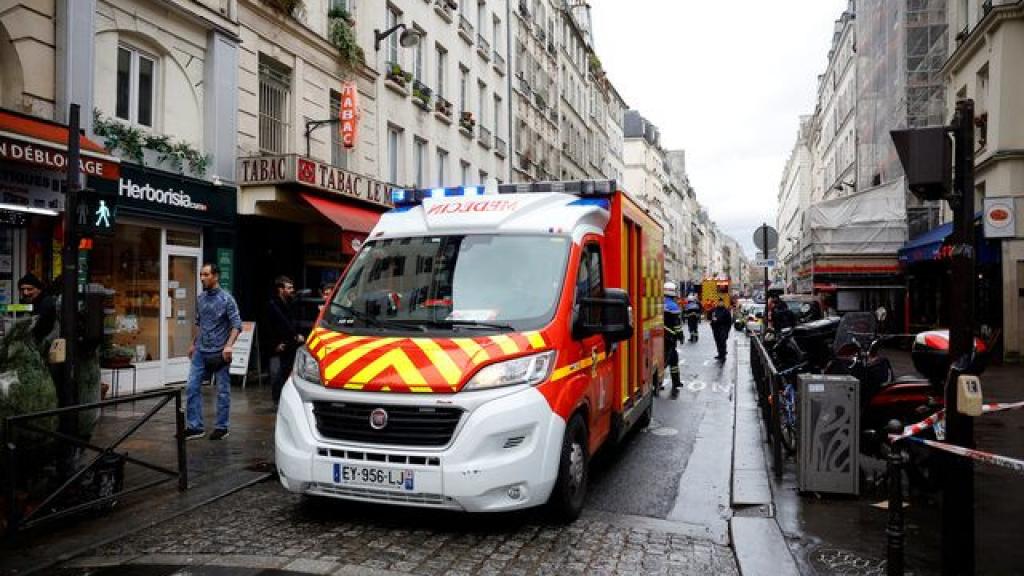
{"x": 766, "y": 238}
{"x": 765, "y": 262}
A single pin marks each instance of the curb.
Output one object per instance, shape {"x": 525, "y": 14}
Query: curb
{"x": 757, "y": 539}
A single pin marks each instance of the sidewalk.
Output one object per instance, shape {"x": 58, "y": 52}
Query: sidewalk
{"x": 215, "y": 468}
{"x": 835, "y": 534}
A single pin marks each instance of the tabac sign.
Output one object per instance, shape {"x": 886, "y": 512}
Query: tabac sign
{"x": 302, "y": 171}
{"x": 348, "y": 114}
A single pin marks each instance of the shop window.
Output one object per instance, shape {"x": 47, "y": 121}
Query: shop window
{"x": 136, "y": 79}
{"x": 184, "y": 238}
{"x": 128, "y": 267}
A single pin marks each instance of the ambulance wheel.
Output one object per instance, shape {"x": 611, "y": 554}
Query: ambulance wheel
{"x": 570, "y": 491}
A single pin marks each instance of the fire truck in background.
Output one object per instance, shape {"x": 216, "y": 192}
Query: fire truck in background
{"x": 479, "y": 349}
{"x": 711, "y": 289}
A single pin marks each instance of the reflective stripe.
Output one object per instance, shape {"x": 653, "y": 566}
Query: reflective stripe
{"x": 396, "y": 359}
{"x": 507, "y": 345}
{"x": 570, "y": 369}
{"x": 536, "y": 340}
{"x": 346, "y": 360}
{"x": 475, "y": 352}
{"x": 440, "y": 359}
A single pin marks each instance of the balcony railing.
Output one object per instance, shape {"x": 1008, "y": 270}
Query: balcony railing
{"x": 465, "y": 29}
{"x": 524, "y": 86}
{"x": 483, "y": 47}
{"x": 499, "y": 62}
{"x": 500, "y": 146}
{"x": 483, "y": 136}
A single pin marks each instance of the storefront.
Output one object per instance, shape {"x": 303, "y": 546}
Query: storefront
{"x": 33, "y": 173}
{"x": 926, "y": 263}
{"x": 166, "y": 227}
{"x": 303, "y": 219}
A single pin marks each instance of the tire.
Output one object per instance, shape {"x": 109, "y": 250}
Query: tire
{"x": 570, "y": 491}
{"x": 648, "y": 415}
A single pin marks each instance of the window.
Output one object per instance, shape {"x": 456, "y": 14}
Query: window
{"x": 442, "y": 166}
{"x": 482, "y": 102}
{"x": 275, "y": 85}
{"x": 419, "y": 158}
{"x": 481, "y": 20}
{"x": 339, "y": 156}
{"x": 589, "y": 283}
{"x": 394, "y": 153}
{"x": 464, "y": 176}
{"x": 497, "y": 116}
{"x": 442, "y": 71}
{"x": 136, "y": 74}
{"x": 393, "y": 18}
{"x": 497, "y": 34}
{"x": 463, "y": 89}
{"x": 483, "y": 177}
{"x": 419, "y": 64}
{"x": 345, "y": 5}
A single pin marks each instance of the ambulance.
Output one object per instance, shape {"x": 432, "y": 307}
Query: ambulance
{"x": 478, "y": 350}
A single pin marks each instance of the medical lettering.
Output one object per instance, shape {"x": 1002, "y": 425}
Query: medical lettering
{"x": 168, "y": 197}
{"x": 475, "y": 206}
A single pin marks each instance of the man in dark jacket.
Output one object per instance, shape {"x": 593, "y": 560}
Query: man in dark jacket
{"x": 673, "y": 321}
{"x": 44, "y": 307}
{"x": 721, "y": 324}
{"x": 282, "y": 337}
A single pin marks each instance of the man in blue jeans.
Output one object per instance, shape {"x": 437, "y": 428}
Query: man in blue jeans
{"x": 219, "y": 325}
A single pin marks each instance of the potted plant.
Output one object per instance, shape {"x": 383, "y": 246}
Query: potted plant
{"x": 397, "y": 75}
{"x": 466, "y": 121}
{"x": 421, "y": 93}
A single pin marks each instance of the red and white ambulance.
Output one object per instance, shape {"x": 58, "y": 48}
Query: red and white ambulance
{"x": 479, "y": 349}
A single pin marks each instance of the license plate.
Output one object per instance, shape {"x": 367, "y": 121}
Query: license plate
{"x": 372, "y": 476}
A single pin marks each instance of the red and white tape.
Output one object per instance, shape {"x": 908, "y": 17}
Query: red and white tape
{"x": 941, "y": 416}
{"x": 977, "y": 455}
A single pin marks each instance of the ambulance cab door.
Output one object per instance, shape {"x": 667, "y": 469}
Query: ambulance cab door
{"x": 590, "y": 282}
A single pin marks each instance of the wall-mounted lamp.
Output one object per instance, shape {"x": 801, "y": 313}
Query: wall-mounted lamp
{"x": 409, "y": 37}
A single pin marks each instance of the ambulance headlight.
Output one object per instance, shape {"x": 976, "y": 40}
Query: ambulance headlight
{"x": 530, "y": 370}
{"x": 306, "y": 367}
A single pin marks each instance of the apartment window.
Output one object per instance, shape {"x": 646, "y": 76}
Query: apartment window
{"x": 442, "y": 166}
{"x": 345, "y": 5}
{"x": 497, "y": 116}
{"x": 339, "y": 156}
{"x": 394, "y": 153}
{"x": 275, "y": 85}
{"x": 136, "y": 77}
{"x": 481, "y": 20}
{"x": 481, "y": 102}
{"x": 497, "y": 34}
{"x": 463, "y": 172}
{"x": 483, "y": 177}
{"x": 442, "y": 71}
{"x": 419, "y": 159}
{"x": 463, "y": 89}
{"x": 393, "y": 18}
{"x": 419, "y": 64}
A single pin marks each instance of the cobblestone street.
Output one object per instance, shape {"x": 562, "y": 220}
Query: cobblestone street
{"x": 266, "y": 527}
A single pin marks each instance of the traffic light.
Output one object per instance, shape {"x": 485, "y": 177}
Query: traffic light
{"x": 95, "y": 213}
{"x": 927, "y": 158}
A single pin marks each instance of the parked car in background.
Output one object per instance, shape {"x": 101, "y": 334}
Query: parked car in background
{"x": 754, "y": 318}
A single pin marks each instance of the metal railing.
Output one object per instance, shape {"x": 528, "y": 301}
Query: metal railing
{"x": 483, "y": 46}
{"x": 45, "y": 511}
{"x": 769, "y": 386}
{"x": 483, "y": 136}
{"x": 466, "y": 27}
{"x": 499, "y": 60}
{"x": 274, "y": 109}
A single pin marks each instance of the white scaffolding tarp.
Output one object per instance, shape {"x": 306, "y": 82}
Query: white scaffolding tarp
{"x": 872, "y": 222}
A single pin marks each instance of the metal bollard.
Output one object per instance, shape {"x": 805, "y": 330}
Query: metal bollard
{"x": 894, "y": 530}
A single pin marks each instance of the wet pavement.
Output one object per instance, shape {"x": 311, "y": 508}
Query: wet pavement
{"x": 215, "y": 468}
{"x": 658, "y": 505}
{"x": 846, "y": 535}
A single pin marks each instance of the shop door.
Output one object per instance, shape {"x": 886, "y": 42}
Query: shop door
{"x": 1020, "y": 305}
{"x": 180, "y": 315}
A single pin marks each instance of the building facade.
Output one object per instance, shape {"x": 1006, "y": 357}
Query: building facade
{"x": 834, "y": 134}
{"x": 537, "y": 38}
{"x": 793, "y": 200}
{"x": 987, "y": 40}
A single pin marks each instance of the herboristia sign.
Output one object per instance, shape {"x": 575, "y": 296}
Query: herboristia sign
{"x": 302, "y": 171}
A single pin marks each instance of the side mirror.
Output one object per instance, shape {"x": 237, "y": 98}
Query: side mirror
{"x": 611, "y": 316}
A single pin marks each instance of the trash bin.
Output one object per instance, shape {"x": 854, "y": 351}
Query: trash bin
{"x": 829, "y": 455}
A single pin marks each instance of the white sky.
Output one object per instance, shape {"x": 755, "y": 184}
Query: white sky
{"x": 725, "y": 81}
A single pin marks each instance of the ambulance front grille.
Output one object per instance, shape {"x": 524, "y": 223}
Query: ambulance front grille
{"x": 372, "y": 495}
{"x": 406, "y": 425}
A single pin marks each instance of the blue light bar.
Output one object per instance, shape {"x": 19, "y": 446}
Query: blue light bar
{"x": 581, "y": 188}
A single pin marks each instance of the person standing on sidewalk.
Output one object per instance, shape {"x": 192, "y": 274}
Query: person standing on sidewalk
{"x": 284, "y": 338}
{"x": 219, "y": 326}
{"x": 721, "y": 323}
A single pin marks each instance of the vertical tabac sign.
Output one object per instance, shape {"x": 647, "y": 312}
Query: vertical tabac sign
{"x": 349, "y": 114}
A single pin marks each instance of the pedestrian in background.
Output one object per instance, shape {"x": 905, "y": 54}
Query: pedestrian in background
{"x": 44, "y": 308}
{"x": 219, "y": 326}
{"x": 721, "y": 323}
{"x": 284, "y": 339}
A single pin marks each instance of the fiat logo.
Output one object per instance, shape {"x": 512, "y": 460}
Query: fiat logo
{"x": 378, "y": 419}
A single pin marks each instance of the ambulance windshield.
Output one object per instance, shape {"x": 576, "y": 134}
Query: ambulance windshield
{"x": 456, "y": 283}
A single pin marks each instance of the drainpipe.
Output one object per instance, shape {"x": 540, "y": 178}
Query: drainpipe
{"x": 508, "y": 81}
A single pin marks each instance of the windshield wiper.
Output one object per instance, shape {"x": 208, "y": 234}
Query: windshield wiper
{"x": 376, "y": 321}
{"x": 451, "y": 323}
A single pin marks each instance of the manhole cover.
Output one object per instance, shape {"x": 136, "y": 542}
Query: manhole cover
{"x": 663, "y": 431}
{"x": 836, "y": 561}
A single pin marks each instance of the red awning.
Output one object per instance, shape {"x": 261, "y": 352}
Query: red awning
{"x": 348, "y": 217}
{"x": 30, "y": 140}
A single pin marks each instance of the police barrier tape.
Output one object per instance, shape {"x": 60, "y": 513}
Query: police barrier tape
{"x": 941, "y": 416}
{"x": 986, "y": 457}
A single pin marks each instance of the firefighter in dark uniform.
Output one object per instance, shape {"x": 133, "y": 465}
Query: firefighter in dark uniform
{"x": 673, "y": 317}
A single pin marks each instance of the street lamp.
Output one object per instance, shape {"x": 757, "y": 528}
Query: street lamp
{"x": 408, "y": 38}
